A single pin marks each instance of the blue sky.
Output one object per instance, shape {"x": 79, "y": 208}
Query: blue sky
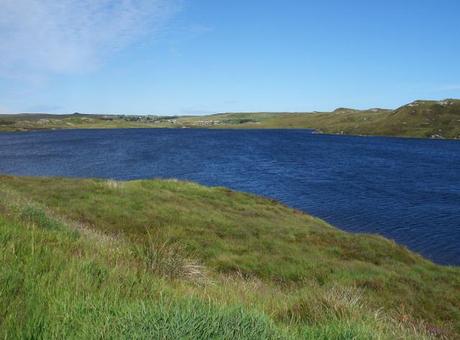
{"x": 206, "y": 56}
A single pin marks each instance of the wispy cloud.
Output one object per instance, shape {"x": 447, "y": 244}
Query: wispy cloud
{"x": 67, "y": 36}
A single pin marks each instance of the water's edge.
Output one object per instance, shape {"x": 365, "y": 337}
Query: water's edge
{"x": 404, "y": 189}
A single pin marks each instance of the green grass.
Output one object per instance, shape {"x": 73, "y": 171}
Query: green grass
{"x": 168, "y": 259}
{"x": 55, "y": 285}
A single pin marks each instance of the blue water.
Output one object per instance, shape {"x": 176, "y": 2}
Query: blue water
{"x": 405, "y": 189}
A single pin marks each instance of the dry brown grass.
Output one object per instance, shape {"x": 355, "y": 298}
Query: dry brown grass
{"x": 167, "y": 258}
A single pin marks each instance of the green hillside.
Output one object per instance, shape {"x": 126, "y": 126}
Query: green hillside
{"x": 169, "y": 259}
{"x": 424, "y": 119}
{"x": 430, "y": 119}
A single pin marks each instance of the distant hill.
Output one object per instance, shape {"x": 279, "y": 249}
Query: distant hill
{"x": 421, "y": 118}
{"x": 426, "y": 119}
{"x": 432, "y": 119}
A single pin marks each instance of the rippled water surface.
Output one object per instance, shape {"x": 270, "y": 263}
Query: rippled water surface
{"x": 405, "y": 189}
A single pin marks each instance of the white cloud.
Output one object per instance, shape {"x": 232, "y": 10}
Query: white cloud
{"x": 67, "y": 36}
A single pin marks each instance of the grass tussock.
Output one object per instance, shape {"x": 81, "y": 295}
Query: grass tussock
{"x": 113, "y": 184}
{"x": 168, "y": 259}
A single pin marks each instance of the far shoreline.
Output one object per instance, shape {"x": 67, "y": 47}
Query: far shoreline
{"x": 425, "y": 119}
{"x": 228, "y": 128}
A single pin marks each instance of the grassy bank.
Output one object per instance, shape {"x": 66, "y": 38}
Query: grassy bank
{"x": 95, "y": 258}
{"x": 426, "y": 119}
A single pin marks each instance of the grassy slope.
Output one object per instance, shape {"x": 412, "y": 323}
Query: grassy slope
{"x": 58, "y": 284}
{"x": 418, "y": 119}
{"x": 146, "y": 257}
